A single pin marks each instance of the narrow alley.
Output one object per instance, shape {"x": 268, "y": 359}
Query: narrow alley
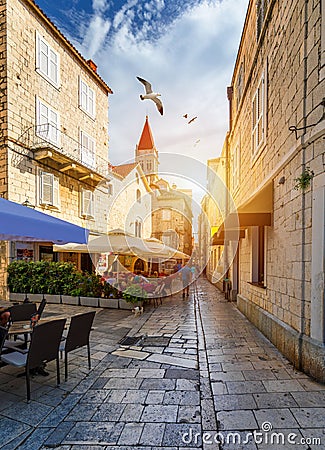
{"x": 192, "y": 373}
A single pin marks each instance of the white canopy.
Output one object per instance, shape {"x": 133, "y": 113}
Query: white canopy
{"x": 119, "y": 242}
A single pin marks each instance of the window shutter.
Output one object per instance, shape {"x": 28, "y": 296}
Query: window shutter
{"x": 46, "y": 188}
{"x": 53, "y": 66}
{"x": 48, "y": 124}
{"x": 56, "y": 192}
{"x": 87, "y": 98}
{"x": 91, "y": 102}
{"x": 54, "y": 125}
{"x": 258, "y": 115}
{"x": 47, "y": 60}
{"x": 44, "y": 62}
{"x": 83, "y": 95}
{"x": 87, "y": 145}
{"x": 87, "y": 203}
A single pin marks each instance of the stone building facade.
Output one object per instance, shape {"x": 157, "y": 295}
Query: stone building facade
{"x": 171, "y": 207}
{"x": 275, "y": 158}
{"x": 53, "y": 124}
{"x": 172, "y": 218}
{"x": 130, "y": 205}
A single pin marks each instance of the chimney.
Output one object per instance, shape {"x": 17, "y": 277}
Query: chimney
{"x": 92, "y": 65}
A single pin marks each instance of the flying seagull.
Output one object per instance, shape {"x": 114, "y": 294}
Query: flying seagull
{"x": 185, "y": 116}
{"x": 150, "y": 95}
{"x": 192, "y": 120}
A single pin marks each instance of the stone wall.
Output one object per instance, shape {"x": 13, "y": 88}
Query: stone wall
{"x": 294, "y": 97}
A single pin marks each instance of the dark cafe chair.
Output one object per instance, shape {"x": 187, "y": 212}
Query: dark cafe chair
{"x": 22, "y": 312}
{"x": 44, "y": 347}
{"x": 78, "y": 336}
{"x": 41, "y": 307}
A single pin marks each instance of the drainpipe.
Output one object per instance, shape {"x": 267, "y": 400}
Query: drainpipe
{"x": 303, "y": 199}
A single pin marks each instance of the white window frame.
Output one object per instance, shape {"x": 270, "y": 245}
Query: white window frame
{"x": 87, "y": 209}
{"x": 47, "y": 123}
{"x": 52, "y": 196}
{"x": 87, "y": 150}
{"x": 87, "y": 98}
{"x": 259, "y": 116}
{"x": 49, "y": 60}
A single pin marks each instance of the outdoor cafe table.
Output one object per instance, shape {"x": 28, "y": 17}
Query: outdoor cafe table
{"x": 24, "y": 327}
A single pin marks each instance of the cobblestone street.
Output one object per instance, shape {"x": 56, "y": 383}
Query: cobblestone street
{"x": 198, "y": 368}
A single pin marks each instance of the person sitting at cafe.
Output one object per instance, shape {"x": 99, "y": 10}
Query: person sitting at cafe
{"x": 4, "y": 316}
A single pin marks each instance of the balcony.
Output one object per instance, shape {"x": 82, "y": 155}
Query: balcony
{"x": 60, "y": 151}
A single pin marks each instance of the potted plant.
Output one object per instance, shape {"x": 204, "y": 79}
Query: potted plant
{"x": 91, "y": 290}
{"x": 110, "y": 298}
{"x": 133, "y": 295}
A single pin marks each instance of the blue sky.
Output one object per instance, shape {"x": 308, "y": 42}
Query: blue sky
{"x": 186, "y": 49}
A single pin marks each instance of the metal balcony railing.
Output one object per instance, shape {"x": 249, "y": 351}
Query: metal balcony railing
{"x": 50, "y": 138}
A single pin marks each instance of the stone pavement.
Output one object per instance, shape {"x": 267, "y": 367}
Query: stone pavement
{"x": 197, "y": 372}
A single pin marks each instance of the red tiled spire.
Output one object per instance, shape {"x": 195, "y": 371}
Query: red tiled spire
{"x": 146, "y": 141}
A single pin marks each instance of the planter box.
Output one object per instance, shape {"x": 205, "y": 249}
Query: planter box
{"x": 68, "y": 300}
{"x": 123, "y": 304}
{"x": 108, "y": 303}
{"x": 89, "y": 301}
{"x": 17, "y": 297}
{"x": 36, "y": 298}
{"x": 50, "y": 298}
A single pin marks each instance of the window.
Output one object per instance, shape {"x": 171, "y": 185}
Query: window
{"x": 87, "y": 203}
{"x": 166, "y": 214}
{"x": 47, "y": 61}
{"x": 236, "y": 167}
{"x": 240, "y": 85}
{"x": 149, "y": 165}
{"x": 138, "y": 228}
{"x": 138, "y": 196}
{"x": 110, "y": 189}
{"x": 258, "y": 259}
{"x": 261, "y": 8}
{"x": 87, "y": 150}
{"x": 86, "y": 98}
{"x": 47, "y": 123}
{"x": 258, "y": 116}
{"x": 49, "y": 189}
{"x": 46, "y": 254}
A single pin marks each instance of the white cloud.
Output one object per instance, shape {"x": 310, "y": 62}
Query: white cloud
{"x": 95, "y": 36}
{"x": 190, "y": 61}
{"x": 100, "y": 5}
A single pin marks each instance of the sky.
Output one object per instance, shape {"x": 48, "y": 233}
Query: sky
{"x": 186, "y": 49}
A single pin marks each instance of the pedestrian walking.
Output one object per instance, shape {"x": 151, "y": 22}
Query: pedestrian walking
{"x": 186, "y": 275}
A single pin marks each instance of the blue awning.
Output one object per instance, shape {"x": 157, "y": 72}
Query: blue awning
{"x": 20, "y": 223}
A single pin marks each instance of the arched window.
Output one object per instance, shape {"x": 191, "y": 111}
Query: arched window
{"x": 138, "y": 228}
{"x": 138, "y": 196}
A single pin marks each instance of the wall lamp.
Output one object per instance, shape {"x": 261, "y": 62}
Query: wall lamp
{"x": 28, "y": 204}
